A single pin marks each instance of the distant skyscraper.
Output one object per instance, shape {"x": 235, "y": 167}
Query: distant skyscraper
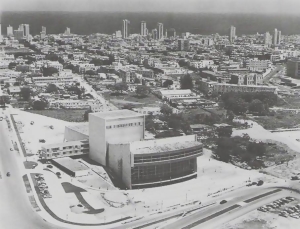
{"x": 10, "y": 31}
{"x": 143, "y": 28}
{"x": 125, "y": 28}
{"x": 232, "y": 34}
{"x": 118, "y": 34}
{"x": 67, "y": 31}
{"x": 18, "y": 34}
{"x": 160, "y": 31}
{"x": 26, "y": 30}
{"x": 268, "y": 40}
{"x": 44, "y": 29}
{"x": 275, "y": 36}
{"x": 154, "y": 34}
{"x": 279, "y": 37}
{"x": 183, "y": 45}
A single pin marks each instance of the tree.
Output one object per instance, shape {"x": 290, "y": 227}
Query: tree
{"x": 167, "y": 83}
{"x": 91, "y": 73}
{"x": 39, "y": 105}
{"x": 7, "y": 85}
{"x": 120, "y": 87}
{"x": 186, "y": 82}
{"x": 52, "y": 57}
{"x": 230, "y": 115}
{"x": 86, "y": 114}
{"x": 224, "y": 132}
{"x": 137, "y": 81}
{"x": 49, "y": 71}
{"x": 149, "y": 123}
{"x": 51, "y": 88}
{"x": 257, "y": 106}
{"x": 25, "y": 93}
{"x": 182, "y": 63}
{"x": 142, "y": 91}
{"x": 12, "y": 65}
{"x": 166, "y": 110}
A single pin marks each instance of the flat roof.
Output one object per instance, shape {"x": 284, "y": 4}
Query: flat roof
{"x": 116, "y": 114}
{"x": 164, "y": 145}
{"x": 63, "y": 144}
{"x": 70, "y": 164}
{"x": 81, "y": 128}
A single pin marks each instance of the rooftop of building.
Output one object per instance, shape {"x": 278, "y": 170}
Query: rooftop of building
{"x": 116, "y": 114}
{"x": 164, "y": 145}
{"x": 64, "y": 144}
{"x": 81, "y": 128}
{"x": 172, "y": 92}
{"x": 70, "y": 164}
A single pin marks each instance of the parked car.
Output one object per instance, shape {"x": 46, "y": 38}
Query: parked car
{"x": 42, "y": 140}
{"x": 290, "y": 198}
{"x": 8, "y": 174}
{"x": 49, "y": 166}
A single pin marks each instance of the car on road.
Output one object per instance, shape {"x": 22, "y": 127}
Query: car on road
{"x": 8, "y": 174}
{"x": 42, "y": 140}
{"x": 47, "y": 196}
{"x": 11, "y": 149}
{"x": 58, "y": 174}
{"x": 1, "y": 118}
{"x": 223, "y": 202}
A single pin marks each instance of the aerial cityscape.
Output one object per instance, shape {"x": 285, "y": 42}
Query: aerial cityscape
{"x": 152, "y": 125}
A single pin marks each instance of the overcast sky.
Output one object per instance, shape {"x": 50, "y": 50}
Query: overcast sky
{"x": 215, "y": 6}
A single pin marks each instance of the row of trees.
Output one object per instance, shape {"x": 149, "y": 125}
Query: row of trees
{"x": 256, "y": 103}
{"x": 239, "y": 148}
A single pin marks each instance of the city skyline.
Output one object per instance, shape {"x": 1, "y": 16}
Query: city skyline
{"x": 219, "y": 6}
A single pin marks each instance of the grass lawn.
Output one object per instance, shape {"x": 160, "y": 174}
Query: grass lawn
{"x": 131, "y": 98}
{"x": 30, "y": 164}
{"x": 291, "y": 102}
{"x": 66, "y": 115}
{"x": 281, "y": 119}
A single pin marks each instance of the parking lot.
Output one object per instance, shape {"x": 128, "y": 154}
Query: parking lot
{"x": 284, "y": 207}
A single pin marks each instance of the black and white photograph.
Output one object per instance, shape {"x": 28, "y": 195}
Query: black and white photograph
{"x": 149, "y": 114}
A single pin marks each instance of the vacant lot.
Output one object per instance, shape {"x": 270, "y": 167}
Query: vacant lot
{"x": 281, "y": 119}
{"x": 66, "y": 115}
{"x": 292, "y": 102}
{"x": 131, "y": 99}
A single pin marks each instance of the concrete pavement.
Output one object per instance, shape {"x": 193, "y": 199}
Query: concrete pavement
{"x": 16, "y": 211}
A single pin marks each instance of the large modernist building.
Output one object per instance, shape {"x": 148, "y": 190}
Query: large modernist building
{"x": 116, "y": 140}
{"x": 293, "y": 69}
{"x": 113, "y": 127}
{"x": 143, "y": 164}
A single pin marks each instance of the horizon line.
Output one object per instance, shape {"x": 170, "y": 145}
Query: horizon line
{"x": 109, "y": 11}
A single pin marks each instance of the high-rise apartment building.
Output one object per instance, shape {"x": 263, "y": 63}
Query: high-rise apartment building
{"x": 143, "y": 28}
{"x": 279, "y": 37}
{"x": 25, "y": 29}
{"x": 232, "y": 34}
{"x": 67, "y": 31}
{"x": 160, "y": 31}
{"x": 154, "y": 34}
{"x": 9, "y": 31}
{"x": 267, "y": 39}
{"x": 293, "y": 68}
{"x": 125, "y": 32}
{"x": 183, "y": 45}
{"x": 18, "y": 34}
{"x": 43, "y": 29}
{"x": 0, "y": 34}
{"x": 275, "y": 36}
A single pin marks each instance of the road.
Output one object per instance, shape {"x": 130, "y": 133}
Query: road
{"x": 273, "y": 73}
{"x": 205, "y": 219}
{"x": 16, "y": 211}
